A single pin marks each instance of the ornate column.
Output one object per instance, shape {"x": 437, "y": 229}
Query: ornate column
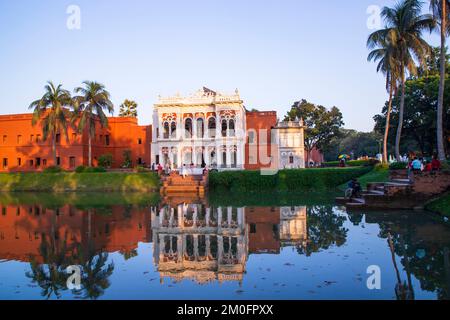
{"x": 208, "y": 245}
{"x": 195, "y": 216}
{"x": 219, "y": 248}
{"x": 218, "y": 127}
{"x": 228, "y": 156}
{"x": 180, "y": 216}
{"x": 179, "y": 247}
{"x": 161, "y": 245}
{"x": 219, "y": 217}
{"x": 161, "y": 216}
{"x": 180, "y": 131}
{"x": 208, "y": 213}
{"x": 229, "y": 215}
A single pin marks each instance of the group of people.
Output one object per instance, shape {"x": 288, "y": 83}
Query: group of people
{"x": 184, "y": 171}
{"x": 421, "y": 165}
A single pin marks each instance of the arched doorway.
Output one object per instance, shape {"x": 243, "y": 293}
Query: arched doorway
{"x": 188, "y": 128}
{"x": 200, "y": 128}
{"x": 212, "y": 127}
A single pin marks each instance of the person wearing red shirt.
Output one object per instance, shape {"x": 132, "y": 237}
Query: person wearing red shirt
{"x": 435, "y": 164}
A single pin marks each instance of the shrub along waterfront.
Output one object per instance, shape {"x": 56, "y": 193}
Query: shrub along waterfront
{"x": 79, "y": 182}
{"x": 285, "y": 180}
{"x": 351, "y": 163}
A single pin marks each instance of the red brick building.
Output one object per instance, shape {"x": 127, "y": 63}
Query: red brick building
{"x": 22, "y": 147}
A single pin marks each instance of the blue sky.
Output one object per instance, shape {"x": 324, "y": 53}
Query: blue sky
{"x": 275, "y": 52}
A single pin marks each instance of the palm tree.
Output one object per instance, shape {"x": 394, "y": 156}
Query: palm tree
{"x": 89, "y": 107}
{"x": 51, "y": 111}
{"x": 388, "y": 64}
{"x": 404, "y": 26}
{"x": 128, "y": 109}
{"x": 439, "y": 8}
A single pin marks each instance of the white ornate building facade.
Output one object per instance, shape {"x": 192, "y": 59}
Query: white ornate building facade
{"x": 212, "y": 129}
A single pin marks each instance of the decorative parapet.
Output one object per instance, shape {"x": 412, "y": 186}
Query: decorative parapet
{"x": 290, "y": 124}
{"x": 201, "y": 97}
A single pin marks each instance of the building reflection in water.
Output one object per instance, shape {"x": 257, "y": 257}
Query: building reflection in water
{"x": 205, "y": 244}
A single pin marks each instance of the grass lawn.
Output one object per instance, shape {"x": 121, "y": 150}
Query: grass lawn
{"x": 79, "y": 182}
{"x": 378, "y": 174}
{"x": 441, "y": 205}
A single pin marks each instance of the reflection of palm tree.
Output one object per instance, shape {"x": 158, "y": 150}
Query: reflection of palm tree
{"x": 94, "y": 273}
{"x": 400, "y": 288}
{"x": 51, "y": 275}
{"x": 403, "y": 291}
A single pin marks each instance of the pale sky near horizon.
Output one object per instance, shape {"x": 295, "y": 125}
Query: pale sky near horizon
{"x": 274, "y": 52}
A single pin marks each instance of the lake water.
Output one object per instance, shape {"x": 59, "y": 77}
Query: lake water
{"x": 226, "y": 247}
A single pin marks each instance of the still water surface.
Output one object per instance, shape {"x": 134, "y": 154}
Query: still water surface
{"x": 137, "y": 247}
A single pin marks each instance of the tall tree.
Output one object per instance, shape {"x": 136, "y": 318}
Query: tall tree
{"x": 385, "y": 52}
{"x": 52, "y": 112}
{"x": 128, "y": 109}
{"x": 440, "y": 10}
{"x": 90, "y": 104}
{"x": 404, "y": 26}
{"x": 321, "y": 124}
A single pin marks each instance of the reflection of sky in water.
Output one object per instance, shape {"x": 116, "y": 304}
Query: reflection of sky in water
{"x": 334, "y": 272}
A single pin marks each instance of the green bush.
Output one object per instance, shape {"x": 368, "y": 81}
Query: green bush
{"x": 398, "y": 165}
{"x": 285, "y": 180}
{"x": 53, "y": 169}
{"x": 94, "y": 170}
{"x": 80, "y": 169}
{"x": 141, "y": 169}
{"x": 105, "y": 160}
{"x": 352, "y": 163}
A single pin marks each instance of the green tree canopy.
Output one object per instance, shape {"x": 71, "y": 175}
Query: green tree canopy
{"x": 321, "y": 124}
{"x": 421, "y": 96}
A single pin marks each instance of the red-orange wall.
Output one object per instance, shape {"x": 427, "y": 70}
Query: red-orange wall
{"x": 23, "y": 227}
{"x": 123, "y": 133}
{"x": 261, "y": 123}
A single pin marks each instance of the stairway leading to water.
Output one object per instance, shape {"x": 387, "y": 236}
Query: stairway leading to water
{"x": 193, "y": 185}
{"x": 400, "y": 192}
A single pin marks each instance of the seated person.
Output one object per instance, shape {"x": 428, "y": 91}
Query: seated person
{"x": 355, "y": 186}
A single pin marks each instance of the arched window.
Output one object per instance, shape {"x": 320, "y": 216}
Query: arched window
{"x": 224, "y": 128}
{"x": 231, "y": 126}
{"x": 188, "y": 128}
{"x": 166, "y": 130}
{"x": 234, "y": 157}
{"x": 200, "y": 128}
{"x": 212, "y": 127}
{"x": 224, "y": 158}
{"x": 173, "y": 130}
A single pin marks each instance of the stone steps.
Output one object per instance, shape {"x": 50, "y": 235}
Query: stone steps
{"x": 177, "y": 185}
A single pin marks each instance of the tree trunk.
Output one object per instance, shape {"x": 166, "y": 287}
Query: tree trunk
{"x": 89, "y": 144}
{"x": 386, "y": 131}
{"x": 90, "y": 150}
{"x": 400, "y": 117}
{"x": 440, "y": 109}
{"x": 54, "y": 149}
